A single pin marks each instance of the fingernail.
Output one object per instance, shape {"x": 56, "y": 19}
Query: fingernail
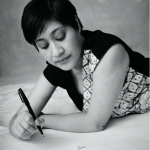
{"x": 37, "y": 122}
{"x": 42, "y": 120}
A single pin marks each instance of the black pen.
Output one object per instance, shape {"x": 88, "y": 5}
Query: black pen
{"x": 25, "y": 100}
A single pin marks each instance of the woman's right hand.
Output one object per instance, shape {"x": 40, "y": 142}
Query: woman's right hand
{"x": 23, "y": 126}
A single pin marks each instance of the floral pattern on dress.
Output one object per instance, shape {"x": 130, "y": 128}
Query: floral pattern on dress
{"x": 134, "y": 96}
{"x": 87, "y": 80}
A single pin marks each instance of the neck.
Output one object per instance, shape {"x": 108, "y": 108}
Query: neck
{"x": 78, "y": 66}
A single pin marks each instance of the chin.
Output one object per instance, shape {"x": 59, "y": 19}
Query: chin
{"x": 66, "y": 67}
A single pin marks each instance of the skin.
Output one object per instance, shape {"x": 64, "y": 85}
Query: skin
{"x": 108, "y": 79}
{"x": 57, "y": 42}
{"x": 54, "y": 43}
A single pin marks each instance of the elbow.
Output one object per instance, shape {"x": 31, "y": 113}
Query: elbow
{"x": 96, "y": 127}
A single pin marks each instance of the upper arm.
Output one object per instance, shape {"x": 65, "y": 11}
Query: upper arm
{"x": 39, "y": 95}
{"x": 108, "y": 80}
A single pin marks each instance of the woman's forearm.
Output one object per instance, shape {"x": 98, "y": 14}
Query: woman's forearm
{"x": 75, "y": 122}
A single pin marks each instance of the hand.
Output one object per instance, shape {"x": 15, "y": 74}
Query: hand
{"x": 40, "y": 122}
{"x": 24, "y": 126}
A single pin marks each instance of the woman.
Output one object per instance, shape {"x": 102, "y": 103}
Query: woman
{"x": 101, "y": 74}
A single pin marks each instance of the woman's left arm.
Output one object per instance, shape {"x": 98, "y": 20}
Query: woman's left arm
{"x": 108, "y": 79}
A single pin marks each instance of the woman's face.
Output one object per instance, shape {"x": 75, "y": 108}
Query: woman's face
{"x": 60, "y": 45}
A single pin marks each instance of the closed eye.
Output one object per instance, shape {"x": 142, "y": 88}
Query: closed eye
{"x": 61, "y": 38}
{"x": 44, "y": 47}
{"x": 42, "y": 44}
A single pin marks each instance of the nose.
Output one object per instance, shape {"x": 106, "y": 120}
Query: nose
{"x": 57, "y": 50}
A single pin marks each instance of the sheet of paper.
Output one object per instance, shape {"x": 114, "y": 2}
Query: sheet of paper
{"x": 126, "y": 133}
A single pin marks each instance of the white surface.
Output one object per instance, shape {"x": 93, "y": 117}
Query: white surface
{"x": 126, "y": 133}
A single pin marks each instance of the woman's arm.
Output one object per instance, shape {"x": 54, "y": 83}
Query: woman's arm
{"x": 22, "y": 123}
{"x": 39, "y": 96}
{"x": 108, "y": 80}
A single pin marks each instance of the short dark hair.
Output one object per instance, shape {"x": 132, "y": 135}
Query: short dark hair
{"x": 37, "y": 13}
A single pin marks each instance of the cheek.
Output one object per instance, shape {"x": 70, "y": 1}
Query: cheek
{"x": 77, "y": 48}
{"x": 75, "y": 44}
{"x": 46, "y": 55}
{"x": 42, "y": 54}
{"x": 73, "y": 39}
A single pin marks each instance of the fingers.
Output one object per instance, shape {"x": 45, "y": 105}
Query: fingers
{"x": 28, "y": 127}
{"x": 24, "y": 126}
{"x": 29, "y": 120}
{"x": 21, "y": 132}
{"x": 40, "y": 122}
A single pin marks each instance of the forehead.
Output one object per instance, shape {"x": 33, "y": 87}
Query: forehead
{"x": 50, "y": 27}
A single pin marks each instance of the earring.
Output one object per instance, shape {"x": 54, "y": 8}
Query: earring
{"x": 80, "y": 30}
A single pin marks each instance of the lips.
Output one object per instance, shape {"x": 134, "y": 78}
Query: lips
{"x": 63, "y": 59}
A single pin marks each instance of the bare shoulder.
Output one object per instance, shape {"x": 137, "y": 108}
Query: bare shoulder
{"x": 118, "y": 53}
{"x": 115, "y": 58}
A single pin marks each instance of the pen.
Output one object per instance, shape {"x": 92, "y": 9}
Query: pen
{"x": 25, "y": 100}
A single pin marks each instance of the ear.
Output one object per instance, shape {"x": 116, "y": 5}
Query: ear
{"x": 77, "y": 20}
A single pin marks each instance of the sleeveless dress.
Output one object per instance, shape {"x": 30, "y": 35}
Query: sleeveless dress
{"x": 135, "y": 94}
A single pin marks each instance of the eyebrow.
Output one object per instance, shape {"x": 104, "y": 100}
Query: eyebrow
{"x": 50, "y": 33}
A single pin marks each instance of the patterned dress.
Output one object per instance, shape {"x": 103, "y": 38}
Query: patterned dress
{"x": 135, "y": 94}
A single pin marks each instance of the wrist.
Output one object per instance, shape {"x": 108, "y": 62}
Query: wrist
{"x": 41, "y": 119}
{"x": 40, "y": 114}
